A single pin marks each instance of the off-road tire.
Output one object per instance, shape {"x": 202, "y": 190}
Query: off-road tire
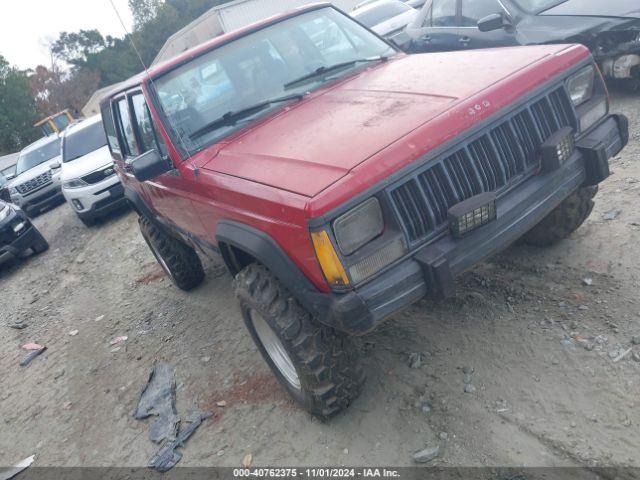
{"x": 326, "y": 363}
{"x": 40, "y": 244}
{"x": 179, "y": 261}
{"x": 565, "y": 219}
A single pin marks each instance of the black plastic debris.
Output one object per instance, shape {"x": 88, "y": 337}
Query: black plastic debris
{"x": 159, "y": 399}
{"x": 29, "y": 358}
{"x": 167, "y": 457}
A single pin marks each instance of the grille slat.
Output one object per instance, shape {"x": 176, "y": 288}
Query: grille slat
{"x": 495, "y": 159}
{"x": 99, "y": 175}
{"x": 35, "y": 183}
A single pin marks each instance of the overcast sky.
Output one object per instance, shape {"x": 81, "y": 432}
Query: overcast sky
{"x": 28, "y": 26}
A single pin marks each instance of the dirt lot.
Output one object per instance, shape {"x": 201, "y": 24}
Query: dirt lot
{"x": 539, "y": 340}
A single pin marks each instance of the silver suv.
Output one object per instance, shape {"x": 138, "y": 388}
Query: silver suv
{"x": 36, "y": 185}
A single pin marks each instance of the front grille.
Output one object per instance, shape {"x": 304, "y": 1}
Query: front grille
{"x": 492, "y": 161}
{"x": 35, "y": 183}
{"x": 99, "y": 175}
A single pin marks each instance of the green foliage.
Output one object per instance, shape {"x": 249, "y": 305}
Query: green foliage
{"x": 95, "y": 62}
{"x": 17, "y": 109}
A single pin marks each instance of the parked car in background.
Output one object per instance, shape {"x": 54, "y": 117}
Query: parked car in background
{"x": 411, "y": 3}
{"x": 388, "y": 18}
{"x": 89, "y": 182}
{"x": 36, "y": 185}
{"x": 17, "y": 233}
{"x": 610, "y": 28}
{"x": 4, "y": 190}
{"x": 354, "y": 179}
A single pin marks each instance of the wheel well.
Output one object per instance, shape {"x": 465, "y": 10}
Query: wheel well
{"x": 235, "y": 258}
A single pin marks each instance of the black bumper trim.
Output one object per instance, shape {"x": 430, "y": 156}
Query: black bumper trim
{"x": 19, "y": 245}
{"x": 433, "y": 267}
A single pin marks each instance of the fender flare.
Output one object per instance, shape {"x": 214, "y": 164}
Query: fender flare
{"x": 264, "y": 249}
{"x": 138, "y": 204}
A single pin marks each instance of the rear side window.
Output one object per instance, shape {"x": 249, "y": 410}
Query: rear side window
{"x": 83, "y": 141}
{"x": 110, "y": 130}
{"x": 125, "y": 127}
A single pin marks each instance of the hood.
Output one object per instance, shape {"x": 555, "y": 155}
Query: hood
{"x": 34, "y": 172}
{"x": 307, "y": 147}
{"x": 395, "y": 23}
{"x": 86, "y": 164}
{"x": 597, "y": 8}
{"x": 541, "y": 29}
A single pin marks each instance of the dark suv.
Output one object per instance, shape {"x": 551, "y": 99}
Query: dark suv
{"x": 17, "y": 234}
{"x": 341, "y": 180}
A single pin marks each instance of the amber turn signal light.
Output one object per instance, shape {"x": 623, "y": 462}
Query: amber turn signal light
{"x": 329, "y": 262}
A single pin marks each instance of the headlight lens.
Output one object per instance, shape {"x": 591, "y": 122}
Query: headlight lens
{"x": 13, "y": 191}
{"x": 74, "y": 183}
{"x": 358, "y": 226}
{"x": 4, "y": 212}
{"x": 580, "y": 86}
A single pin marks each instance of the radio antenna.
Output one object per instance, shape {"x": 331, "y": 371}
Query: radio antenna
{"x": 135, "y": 49}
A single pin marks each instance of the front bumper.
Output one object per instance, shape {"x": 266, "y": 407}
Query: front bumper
{"x": 13, "y": 244}
{"x": 97, "y": 199}
{"x": 432, "y": 268}
{"x": 40, "y": 199}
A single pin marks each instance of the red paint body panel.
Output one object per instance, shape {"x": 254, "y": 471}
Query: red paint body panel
{"x": 308, "y": 158}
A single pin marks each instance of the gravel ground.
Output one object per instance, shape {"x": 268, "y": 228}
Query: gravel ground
{"x": 533, "y": 331}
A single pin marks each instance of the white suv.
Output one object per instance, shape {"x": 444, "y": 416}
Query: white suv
{"x": 89, "y": 182}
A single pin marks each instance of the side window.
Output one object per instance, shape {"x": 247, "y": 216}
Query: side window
{"x": 110, "y": 129}
{"x": 443, "y": 13}
{"x": 475, "y": 10}
{"x": 125, "y": 128}
{"x": 148, "y": 135}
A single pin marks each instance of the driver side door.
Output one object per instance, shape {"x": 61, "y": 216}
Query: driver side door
{"x": 472, "y": 11}
{"x": 439, "y": 28}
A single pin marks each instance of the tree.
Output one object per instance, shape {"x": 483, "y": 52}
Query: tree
{"x": 17, "y": 109}
{"x": 55, "y": 90}
{"x": 77, "y": 48}
{"x": 144, "y": 11}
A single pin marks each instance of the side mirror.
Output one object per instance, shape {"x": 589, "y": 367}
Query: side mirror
{"x": 496, "y": 21}
{"x": 55, "y": 166}
{"x": 149, "y": 165}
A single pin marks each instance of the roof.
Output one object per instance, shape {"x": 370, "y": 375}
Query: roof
{"x": 163, "y": 67}
{"x": 93, "y": 104}
{"x": 8, "y": 161}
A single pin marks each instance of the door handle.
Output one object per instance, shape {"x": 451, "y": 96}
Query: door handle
{"x": 465, "y": 40}
{"x": 426, "y": 38}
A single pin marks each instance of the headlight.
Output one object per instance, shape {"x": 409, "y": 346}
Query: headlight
{"x": 13, "y": 191}
{"x": 580, "y": 85}
{"x": 4, "y": 212}
{"x": 74, "y": 183}
{"x": 358, "y": 226}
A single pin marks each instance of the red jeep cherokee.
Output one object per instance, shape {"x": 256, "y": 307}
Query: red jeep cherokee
{"x": 341, "y": 180}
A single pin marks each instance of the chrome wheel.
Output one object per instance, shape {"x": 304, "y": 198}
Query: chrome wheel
{"x": 275, "y": 349}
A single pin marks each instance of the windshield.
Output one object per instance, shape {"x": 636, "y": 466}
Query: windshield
{"x": 537, "y": 6}
{"x": 256, "y": 68}
{"x": 372, "y": 16}
{"x": 83, "y": 141}
{"x": 31, "y": 158}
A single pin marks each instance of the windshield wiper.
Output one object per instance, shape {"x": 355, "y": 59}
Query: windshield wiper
{"x": 331, "y": 68}
{"x": 231, "y": 118}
